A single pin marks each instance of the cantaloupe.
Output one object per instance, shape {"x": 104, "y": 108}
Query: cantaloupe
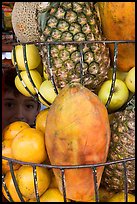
{"x": 24, "y": 21}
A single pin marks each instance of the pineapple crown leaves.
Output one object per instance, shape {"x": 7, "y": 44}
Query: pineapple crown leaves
{"x": 43, "y": 15}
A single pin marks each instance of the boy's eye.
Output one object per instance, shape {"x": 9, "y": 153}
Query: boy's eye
{"x": 9, "y": 105}
{"x": 29, "y": 106}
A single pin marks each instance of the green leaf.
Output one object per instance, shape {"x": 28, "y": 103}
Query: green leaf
{"x": 42, "y": 19}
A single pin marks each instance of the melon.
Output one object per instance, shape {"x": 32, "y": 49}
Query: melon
{"x": 77, "y": 133}
{"x": 24, "y": 21}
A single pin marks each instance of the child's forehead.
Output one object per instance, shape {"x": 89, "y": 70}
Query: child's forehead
{"x": 12, "y": 95}
{"x": 9, "y": 94}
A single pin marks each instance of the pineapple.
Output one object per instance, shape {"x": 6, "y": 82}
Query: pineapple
{"x": 73, "y": 21}
{"x": 122, "y": 145}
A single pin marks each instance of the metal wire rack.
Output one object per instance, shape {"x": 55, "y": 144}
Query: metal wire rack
{"x": 63, "y": 168}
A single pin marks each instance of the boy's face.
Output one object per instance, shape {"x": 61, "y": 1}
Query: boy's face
{"x": 19, "y": 107}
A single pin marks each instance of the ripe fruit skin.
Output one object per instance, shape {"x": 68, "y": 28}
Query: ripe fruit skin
{"x": 11, "y": 188}
{"x": 41, "y": 120}
{"x": 47, "y": 91}
{"x": 77, "y": 132}
{"x": 122, "y": 145}
{"x": 119, "y": 74}
{"x": 130, "y": 80}
{"x": 118, "y": 23}
{"x": 32, "y": 53}
{"x": 119, "y": 97}
{"x": 10, "y": 131}
{"x": 25, "y": 180}
{"x": 28, "y": 146}
{"x": 37, "y": 80}
{"x": 6, "y": 151}
{"x": 51, "y": 195}
{"x": 119, "y": 197}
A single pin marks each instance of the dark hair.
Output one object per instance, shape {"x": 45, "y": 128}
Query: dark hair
{"x": 8, "y": 77}
{"x": 9, "y": 81}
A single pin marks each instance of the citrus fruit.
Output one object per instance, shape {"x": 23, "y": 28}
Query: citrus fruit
{"x": 130, "y": 80}
{"x": 11, "y": 188}
{"x": 6, "y": 151}
{"x": 119, "y": 97}
{"x": 36, "y": 78}
{"x": 25, "y": 180}
{"x": 29, "y": 146}
{"x": 119, "y": 74}
{"x": 3, "y": 132}
{"x": 47, "y": 91}
{"x": 41, "y": 120}
{"x": 119, "y": 197}
{"x": 32, "y": 54}
{"x": 10, "y": 131}
{"x": 51, "y": 195}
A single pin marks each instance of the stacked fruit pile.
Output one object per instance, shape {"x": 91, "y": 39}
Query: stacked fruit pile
{"x": 77, "y": 128}
{"x": 26, "y": 144}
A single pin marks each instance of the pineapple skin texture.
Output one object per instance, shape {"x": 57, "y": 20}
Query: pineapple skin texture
{"x": 73, "y": 21}
{"x": 122, "y": 145}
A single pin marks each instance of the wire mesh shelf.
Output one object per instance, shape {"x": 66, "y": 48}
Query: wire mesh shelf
{"x": 52, "y": 78}
{"x": 62, "y": 169}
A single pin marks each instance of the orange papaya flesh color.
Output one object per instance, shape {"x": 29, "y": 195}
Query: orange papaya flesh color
{"x": 118, "y": 23}
{"x": 77, "y": 132}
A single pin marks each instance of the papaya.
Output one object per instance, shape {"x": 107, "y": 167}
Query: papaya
{"x": 77, "y": 133}
{"x": 118, "y": 23}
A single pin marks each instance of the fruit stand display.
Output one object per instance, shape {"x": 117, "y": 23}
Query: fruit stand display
{"x": 68, "y": 58}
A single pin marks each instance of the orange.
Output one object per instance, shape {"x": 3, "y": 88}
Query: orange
{"x": 51, "y": 195}
{"x": 29, "y": 146}
{"x": 10, "y": 131}
{"x": 41, "y": 120}
{"x": 26, "y": 180}
{"x": 6, "y": 151}
{"x": 11, "y": 188}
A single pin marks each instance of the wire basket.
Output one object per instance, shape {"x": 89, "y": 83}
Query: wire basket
{"x": 63, "y": 168}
